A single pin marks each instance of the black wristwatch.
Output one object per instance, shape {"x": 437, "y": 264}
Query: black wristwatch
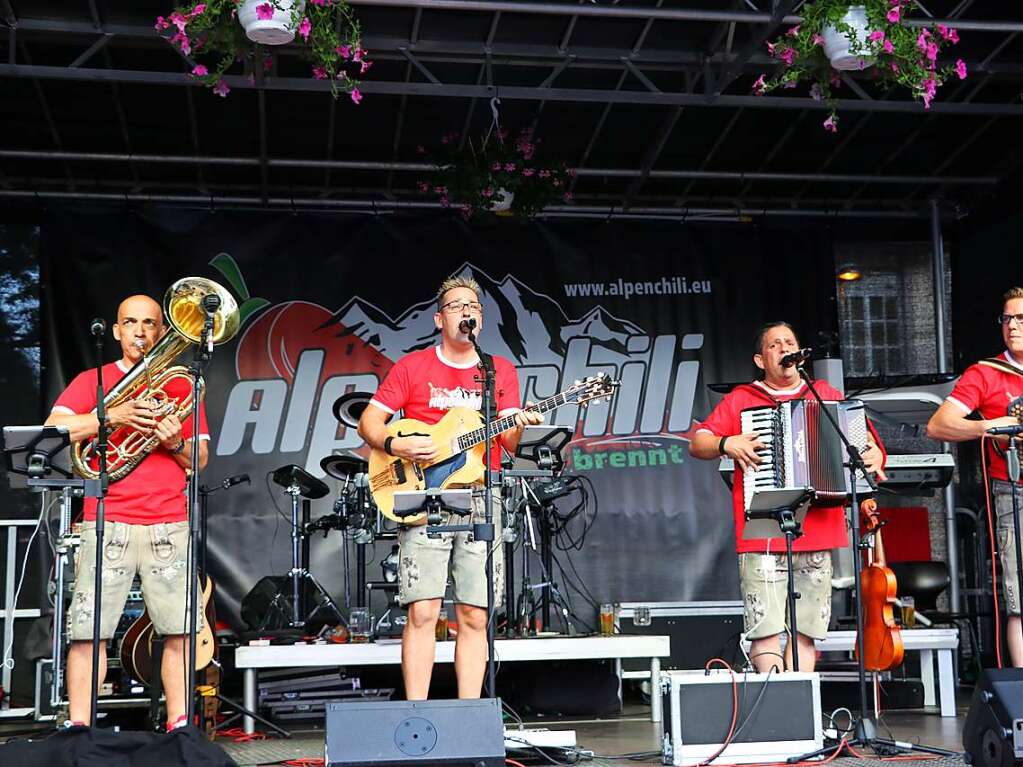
{"x": 721, "y": 445}
{"x": 178, "y": 449}
{"x": 387, "y": 445}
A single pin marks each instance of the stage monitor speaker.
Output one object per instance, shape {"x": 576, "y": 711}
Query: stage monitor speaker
{"x": 459, "y": 733}
{"x": 780, "y": 716}
{"x": 993, "y": 733}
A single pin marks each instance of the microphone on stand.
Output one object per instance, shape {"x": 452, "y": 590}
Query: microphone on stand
{"x": 796, "y": 358}
{"x": 1015, "y": 409}
{"x": 467, "y": 326}
{"x": 235, "y": 480}
{"x": 98, "y": 326}
{"x": 210, "y": 304}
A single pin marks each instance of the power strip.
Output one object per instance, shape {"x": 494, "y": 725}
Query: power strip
{"x": 522, "y": 739}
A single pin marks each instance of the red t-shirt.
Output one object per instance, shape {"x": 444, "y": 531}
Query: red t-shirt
{"x": 989, "y": 390}
{"x": 824, "y": 528}
{"x": 425, "y": 386}
{"x": 155, "y": 491}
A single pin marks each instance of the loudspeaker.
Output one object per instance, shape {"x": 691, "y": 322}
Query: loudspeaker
{"x": 993, "y": 734}
{"x": 781, "y": 716}
{"x": 463, "y": 733}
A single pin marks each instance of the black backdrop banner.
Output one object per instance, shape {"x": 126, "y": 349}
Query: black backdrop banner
{"x": 330, "y": 303}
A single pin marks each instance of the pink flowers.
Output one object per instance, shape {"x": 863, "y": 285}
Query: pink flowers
{"x": 888, "y": 46}
{"x": 760, "y": 87}
{"x": 793, "y": 32}
{"x": 817, "y": 39}
{"x": 344, "y": 51}
{"x": 161, "y": 24}
{"x": 495, "y": 166}
{"x": 893, "y": 14}
{"x": 928, "y": 87}
{"x": 876, "y": 36}
{"x": 355, "y": 95}
{"x": 364, "y": 66}
{"x": 488, "y": 192}
{"x": 816, "y": 92}
{"x": 304, "y": 27}
{"x": 221, "y": 89}
{"x": 527, "y": 172}
{"x": 788, "y": 56}
{"x": 181, "y": 40}
{"x": 264, "y": 11}
{"x": 199, "y": 10}
{"x": 948, "y": 34}
{"x": 831, "y": 124}
{"x": 509, "y": 166}
{"x": 961, "y": 69}
{"x": 320, "y": 73}
{"x": 200, "y": 70}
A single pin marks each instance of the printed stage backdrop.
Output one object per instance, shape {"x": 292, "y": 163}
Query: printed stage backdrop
{"x": 330, "y": 303}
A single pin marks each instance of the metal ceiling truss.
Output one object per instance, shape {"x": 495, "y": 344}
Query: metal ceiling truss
{"x": 717, "y": 68}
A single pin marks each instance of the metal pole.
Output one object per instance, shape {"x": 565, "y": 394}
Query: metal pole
{"x": 938, "y": 273}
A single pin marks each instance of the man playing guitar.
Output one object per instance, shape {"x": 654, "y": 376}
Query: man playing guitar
{"x": 425, "y": 385}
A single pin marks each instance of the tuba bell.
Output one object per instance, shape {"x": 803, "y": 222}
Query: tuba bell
{"x": 167, "y": 388}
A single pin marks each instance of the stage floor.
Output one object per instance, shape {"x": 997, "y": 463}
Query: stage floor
{"x": 634, "y": 733}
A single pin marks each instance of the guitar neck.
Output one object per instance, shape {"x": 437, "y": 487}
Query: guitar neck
{"x": 501, "y": 425}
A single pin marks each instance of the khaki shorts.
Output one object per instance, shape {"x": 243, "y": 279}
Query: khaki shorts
{"x": 158, "y": 553}
{"x": 423, "y": 566}
{"x": 1002, "y": 494}
{"x": 764, "y": 582}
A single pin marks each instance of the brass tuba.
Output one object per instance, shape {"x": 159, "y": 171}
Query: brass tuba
{"x": 168, "y": 389}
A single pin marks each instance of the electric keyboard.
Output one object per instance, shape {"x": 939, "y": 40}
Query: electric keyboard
{"x": 925, "y": 471}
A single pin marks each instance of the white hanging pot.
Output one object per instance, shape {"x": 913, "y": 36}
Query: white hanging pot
{"x": 277, "y": 30}
{"x": 502, "y": 200}
{"x": 837, "y": 45}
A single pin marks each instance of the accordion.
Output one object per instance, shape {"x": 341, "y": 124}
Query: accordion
{"x": 802, "y": 450}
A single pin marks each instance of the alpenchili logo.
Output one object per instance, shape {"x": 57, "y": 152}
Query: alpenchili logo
{"x": 296, "y": 358}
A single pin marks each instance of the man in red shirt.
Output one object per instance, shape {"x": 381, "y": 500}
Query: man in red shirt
{"x": 987, "y": 388}
{"x": 425, "y": 385}
{"x": 146, "y": 513}
{"x": 762, "y": 569}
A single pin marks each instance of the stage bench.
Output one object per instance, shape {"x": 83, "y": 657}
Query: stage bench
{"x": 250, "y": 659}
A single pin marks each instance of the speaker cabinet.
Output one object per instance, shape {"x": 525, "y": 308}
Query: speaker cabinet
{"x": 460, "y": 733}
{"x": 993, "y": 734}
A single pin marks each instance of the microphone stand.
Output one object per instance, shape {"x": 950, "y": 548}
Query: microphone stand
{"x": 100, "y": 491}
{"x": 1012, "y": 468}
{"x": 485, "y": 532}
{"x": 865, "y": 728}
{"x": 203, "y": 354}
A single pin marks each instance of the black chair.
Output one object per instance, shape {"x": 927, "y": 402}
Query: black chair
{"x": 924, "y": 581}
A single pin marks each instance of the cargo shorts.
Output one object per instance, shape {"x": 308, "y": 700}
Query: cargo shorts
{"x": 158, "y": 553}
{"x": 764, "y": 579}
{"x": 424, "y": 562}
{"x": 1004, "y": 533}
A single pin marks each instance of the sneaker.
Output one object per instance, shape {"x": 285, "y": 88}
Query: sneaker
{"x": 69, "y": 723}
{"x": 181, "y": 721}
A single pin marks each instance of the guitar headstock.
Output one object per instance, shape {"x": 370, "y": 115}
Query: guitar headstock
{"x": 591, "y": 388}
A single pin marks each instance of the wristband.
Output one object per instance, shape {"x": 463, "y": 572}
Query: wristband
{"x": 721, "y": 445}
{"x": 179, "y": 448}
{"x": 387, "y": 445}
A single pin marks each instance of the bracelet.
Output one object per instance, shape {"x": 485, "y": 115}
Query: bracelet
{"x": 721, "y": 445}
{"x": 178, "y": 449}
{"x": 387, "y": 445}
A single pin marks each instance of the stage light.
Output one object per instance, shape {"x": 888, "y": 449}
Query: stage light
{"x": 848, "y": 272}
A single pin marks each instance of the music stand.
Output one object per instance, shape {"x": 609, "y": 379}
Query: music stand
{"x": 432, "y": 502}
{"x": 786, "y": 509}
{"x": 31, "y": 455}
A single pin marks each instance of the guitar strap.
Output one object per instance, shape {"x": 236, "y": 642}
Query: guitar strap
{"x": 1001, "y": 365}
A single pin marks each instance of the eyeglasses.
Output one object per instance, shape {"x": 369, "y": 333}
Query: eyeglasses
{"x": 457, "y": 307}
{"x": 1005, "y": 319}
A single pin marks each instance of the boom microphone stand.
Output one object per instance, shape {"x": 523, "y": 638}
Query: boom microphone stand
{"x": 485, "y": 532}
{"x": 98, "y": 329}
{"x": 865, "y": 728}
{"x": 203, "y": 354}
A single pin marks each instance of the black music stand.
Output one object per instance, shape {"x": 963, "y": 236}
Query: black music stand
{"x": 786, "y": 509}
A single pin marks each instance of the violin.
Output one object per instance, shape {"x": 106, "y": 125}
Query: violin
{"x": 882, "y": 639}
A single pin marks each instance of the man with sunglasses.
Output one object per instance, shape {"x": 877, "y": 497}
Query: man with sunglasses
{"x": 425, "y": 384}
{"x": 987, "y": 388}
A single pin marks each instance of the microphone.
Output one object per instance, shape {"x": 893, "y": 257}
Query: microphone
{"x": 1010, "y": 430}
{"x": 796, "y": 358}
{"x": 210, "y": 304}
{"x": 237, "y": 479}
{"x": 98, "y": 326}
{"x": 467, "y": 326}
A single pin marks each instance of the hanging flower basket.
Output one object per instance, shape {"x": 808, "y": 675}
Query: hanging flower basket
{"x": 835, "y": 36}
{"x": 273, "y": 26}
{"x": 220, "y": 34}
{"x": 846, "y": 48}
{"x": 496, "y": 175}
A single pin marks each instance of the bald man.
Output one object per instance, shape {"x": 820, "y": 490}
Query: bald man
{"x": 146, "y": 529}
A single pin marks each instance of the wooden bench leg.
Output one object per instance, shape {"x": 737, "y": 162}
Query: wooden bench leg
{"x": 927, "y": 676}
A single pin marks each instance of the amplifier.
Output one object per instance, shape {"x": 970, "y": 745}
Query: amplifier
{"x": 779, "y": 716}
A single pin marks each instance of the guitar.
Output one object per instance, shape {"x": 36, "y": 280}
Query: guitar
{"x": 459, "y": 437}
{"x": 137, "y": 644}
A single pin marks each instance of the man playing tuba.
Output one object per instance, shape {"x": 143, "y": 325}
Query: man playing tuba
{"x": 146, "y": 516}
